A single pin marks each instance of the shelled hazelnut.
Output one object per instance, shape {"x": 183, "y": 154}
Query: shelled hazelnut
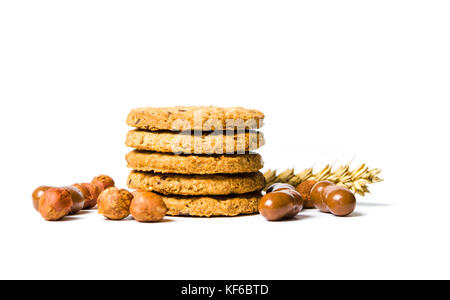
{"x": 135, "y": 192}
{"x": 103, "y": 182}
{"x": 148, "y": 207}
{"x": 37, "y": 193}
{"x": 54, "y": 204}
{"x": 90, "y": 193}
{"x": 114, "y": 203}
{"x": 77, "y": 196}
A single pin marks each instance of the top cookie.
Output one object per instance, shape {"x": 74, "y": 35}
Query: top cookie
{"x": 205, "y": 118}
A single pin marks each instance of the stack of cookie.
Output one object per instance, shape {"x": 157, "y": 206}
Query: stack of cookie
{"x": 199, "y": 159}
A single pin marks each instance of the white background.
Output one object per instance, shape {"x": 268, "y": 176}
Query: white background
{"x": 337, "y": 80}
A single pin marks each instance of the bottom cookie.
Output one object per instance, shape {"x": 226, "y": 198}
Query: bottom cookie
{"x": 212, "y": 206}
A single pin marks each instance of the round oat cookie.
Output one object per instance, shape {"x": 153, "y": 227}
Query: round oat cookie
{"x": 201, "y": 143}
{"x": 204, "y": 118}
{"x": 212, "y": 206}
{"x": 194, "y": 164}
{"x": 177, "y": 184}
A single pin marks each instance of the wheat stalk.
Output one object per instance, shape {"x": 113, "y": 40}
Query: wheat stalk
{"x": 356, "y": 180}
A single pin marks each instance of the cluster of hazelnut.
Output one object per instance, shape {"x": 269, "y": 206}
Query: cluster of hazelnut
{"x": 117, "y": 204}
{"x": 284, "y": 201}
{"x": 54, "y": 203}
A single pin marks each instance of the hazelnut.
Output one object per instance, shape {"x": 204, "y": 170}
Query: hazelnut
{"x": 114, "y": 203}
{"x": 278, "y": 205}
{"x": 90, "y": 193}
{"x": 103, "y": 182}
{"x": 37, "y": 193}
{"x": 317, "y": 195}
{"x": 277, "y": 186}
{"x": 77, "y": 198}
{"x": 55, "y": 203}
{"x": 135, "y": 192}
{"x": 94, "y": 191}
{"x": 340, "y": 201}
{"x": 304, "y": 189}
{"x": 148, "y": 207}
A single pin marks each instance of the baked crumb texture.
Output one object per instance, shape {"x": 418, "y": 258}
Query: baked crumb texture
{"x": 200, "y": 159}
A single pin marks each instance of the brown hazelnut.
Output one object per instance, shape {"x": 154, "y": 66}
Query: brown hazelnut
{"x": 317, "y": 195}
{"x": 54, "y": 204}
{"x": 278, "y": 205}
{"x": 135, "y": 192}
{"x": 148, "y": 207}
{"x": 277, "y": 186}
{"x": 94, "y": 191}
{"x": 114, "y": 203}
{"x": 37, "y": 193}
{"x": 77, "y": 198}
{"x": 90, "y": 193}
{"x": 304, "y": 189}
{"x": 340, "y": 201}
{"x": 103, "y": 182}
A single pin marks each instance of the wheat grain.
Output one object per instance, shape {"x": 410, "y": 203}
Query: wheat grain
{"x": 357, "y": 180}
